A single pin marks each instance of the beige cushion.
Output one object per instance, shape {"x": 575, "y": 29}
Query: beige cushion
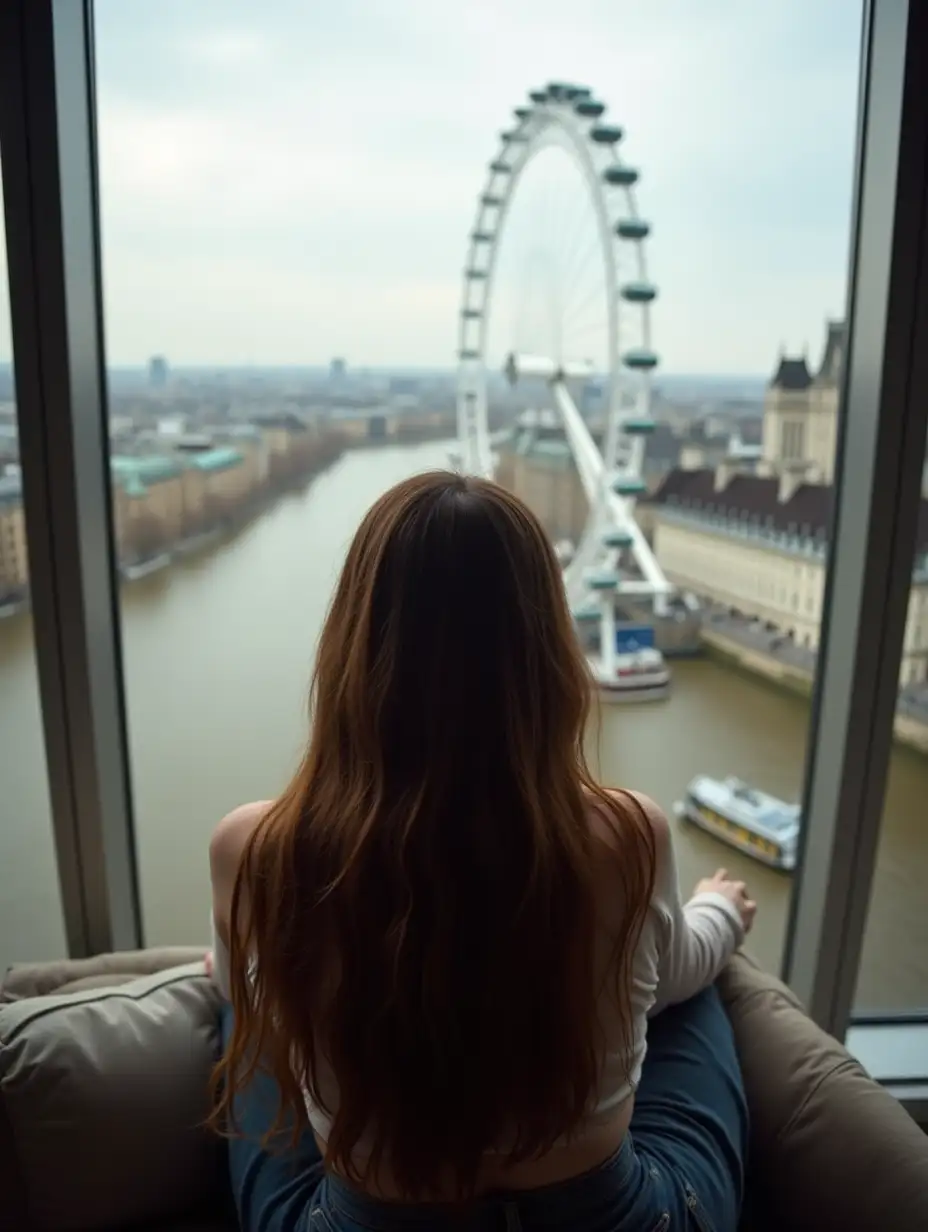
{"x": 88, "y": 1143}
{"x": 829, "y": 1147}
{"x": 103, "y": 970}
{"x": 103, "y": 1094}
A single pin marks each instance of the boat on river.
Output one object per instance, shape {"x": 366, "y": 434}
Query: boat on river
{"x": 635, "y": 676}
{"x": 754, "y": 822}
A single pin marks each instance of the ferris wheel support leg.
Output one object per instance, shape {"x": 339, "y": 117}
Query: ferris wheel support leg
{"x": 587, "y": 457}
{"x": 607, "y": 636}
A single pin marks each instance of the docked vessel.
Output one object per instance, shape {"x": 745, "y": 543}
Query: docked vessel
{"x": 752, "y": 821}
{"x": 635, "y": 676}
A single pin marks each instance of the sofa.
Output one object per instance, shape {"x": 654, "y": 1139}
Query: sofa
{"x": 104, "y": 1066}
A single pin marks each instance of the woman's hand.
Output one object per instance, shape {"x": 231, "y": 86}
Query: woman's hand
{"x": 208, "y": 963}
{"x": 735, "y": 891}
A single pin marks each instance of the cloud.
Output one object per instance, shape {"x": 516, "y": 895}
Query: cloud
{"x": 302, "y": 178}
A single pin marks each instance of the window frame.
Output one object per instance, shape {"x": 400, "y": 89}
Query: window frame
{"x": 881, "y": 446}
{"x": 48, "y": 142}
{"x": 47, "y": 104}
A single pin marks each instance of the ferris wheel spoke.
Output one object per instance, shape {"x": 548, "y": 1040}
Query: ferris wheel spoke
{"x": 573, "y": 229}
{"x": 588, "y": 304}
{"x": 586, "y": 260}
{"x": 572, "y": 209}
{"x": 591, "y": 286}
{"x": 578, "y": 241}
{"x": 591, "y": 332}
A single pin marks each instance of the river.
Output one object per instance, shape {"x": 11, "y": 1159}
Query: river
{"x": 218, "y": 651}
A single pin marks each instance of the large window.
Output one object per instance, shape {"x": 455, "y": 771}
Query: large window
{"x": 894, "y": 963}
{"x": 30, "y": 908}
{"x": 243, "y": 257}
{"x": 318, "y": 240}
{"x": 282, "y": 256}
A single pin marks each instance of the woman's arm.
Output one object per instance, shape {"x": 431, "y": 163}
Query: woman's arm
{"x": 225, "y": 855}
{"x": 694, "y": 939}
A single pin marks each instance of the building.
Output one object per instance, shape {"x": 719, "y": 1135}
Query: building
{"x": 14, "y": 563}
{"x": 757, "y": 543}
{"x": 216, "y": 484}
{"x": 297, "y": 447}
{"x": 161, "y": 499}
{"x": 800, "y": 433}
{"x": 158, "y": 372}
{"x": 249, "y": 441}
{"x": 149, "y": 504}
{"x": 539, "y": 468}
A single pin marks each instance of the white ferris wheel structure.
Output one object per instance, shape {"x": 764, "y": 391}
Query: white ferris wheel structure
{"x": 613, "y": 558}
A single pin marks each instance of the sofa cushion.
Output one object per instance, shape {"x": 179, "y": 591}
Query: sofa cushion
{"x": 829, "y": 1147}
{"x": 100, "y": 971}
{"x": 103, "y": 1095}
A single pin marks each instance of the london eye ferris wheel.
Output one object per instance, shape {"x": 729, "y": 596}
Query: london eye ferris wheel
{"x": 556, "y": 295}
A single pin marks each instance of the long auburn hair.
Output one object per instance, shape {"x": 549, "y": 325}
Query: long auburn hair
{"x": 415, "y": 916}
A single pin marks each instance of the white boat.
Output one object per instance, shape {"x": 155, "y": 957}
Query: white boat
{"x": 758, "y": 824}
{"x": 636, "y": 676}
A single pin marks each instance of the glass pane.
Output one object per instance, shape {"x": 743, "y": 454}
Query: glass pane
{"x": 284, "y": 233}
{"x": 894, "y": 963}
{"x": 31, "y": 924}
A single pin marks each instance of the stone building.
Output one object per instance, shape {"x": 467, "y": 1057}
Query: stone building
{"x": 537, "y": 465}
{"x": 757, "y": 543}
{"x": 217, "y": 483}
{"x": 14, "y": 564}
{"x": 801, "y": 414}
{"x": 149, "y": 505}
{"x": 161, "y": 499}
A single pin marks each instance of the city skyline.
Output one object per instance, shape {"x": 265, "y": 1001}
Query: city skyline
{"x": 264, "y": 206}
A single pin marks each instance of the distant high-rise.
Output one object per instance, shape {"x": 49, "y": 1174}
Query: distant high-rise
{"x": 338, "y": 369}
{"x": 403, "y": 385}
{"x": 158, "y": 372}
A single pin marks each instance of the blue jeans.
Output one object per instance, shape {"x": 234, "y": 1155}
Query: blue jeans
{"x": 681, "y": 1166}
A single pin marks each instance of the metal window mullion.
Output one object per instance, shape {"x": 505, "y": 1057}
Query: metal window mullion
{"x": 48, "y": 148}
{"x": 880, "y": 453}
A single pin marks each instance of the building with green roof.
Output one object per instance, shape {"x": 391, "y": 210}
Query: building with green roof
{"x": 222, "y": 458}
{"x": 143, "y": 471}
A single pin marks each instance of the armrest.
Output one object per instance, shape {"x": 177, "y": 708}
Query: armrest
{"x": 830, "y": 1148}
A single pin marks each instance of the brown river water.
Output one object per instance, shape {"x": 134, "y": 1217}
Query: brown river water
{"x": 218, "y": 651}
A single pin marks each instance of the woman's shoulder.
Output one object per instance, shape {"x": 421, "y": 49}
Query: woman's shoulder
{"x": 237, "y": 827}
{"x": 643, "y": 808}
{"x": 228, "y": 842}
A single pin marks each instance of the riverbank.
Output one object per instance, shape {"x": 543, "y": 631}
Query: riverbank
{"x": 222, "y": 531}
{"x": 908, "y": 730}
{"x": 217, "y": 656}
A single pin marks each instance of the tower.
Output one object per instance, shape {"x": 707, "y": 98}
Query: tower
{"x": 801, "y": 413}
{"x": 158, "y": 372}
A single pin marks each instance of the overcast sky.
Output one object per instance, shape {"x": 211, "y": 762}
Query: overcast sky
{"x": 287, "y": 181}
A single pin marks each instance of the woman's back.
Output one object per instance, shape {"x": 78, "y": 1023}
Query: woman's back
{"x": 680, "y": 950}
{"x": 444, "y": 936}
